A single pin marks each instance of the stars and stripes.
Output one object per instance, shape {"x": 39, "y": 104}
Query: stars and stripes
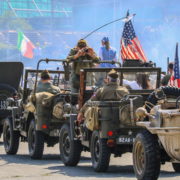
{"x": 175, "y": 78}
{"x": 130, "y": 45}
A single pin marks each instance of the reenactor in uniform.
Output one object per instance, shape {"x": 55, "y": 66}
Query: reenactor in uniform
{"x": 111, "y": 91}
{"x": 45, "y": 85}
{"x": 76, "y": 56}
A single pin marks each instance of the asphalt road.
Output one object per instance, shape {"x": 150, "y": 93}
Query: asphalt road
{"x": 22, "y": 167}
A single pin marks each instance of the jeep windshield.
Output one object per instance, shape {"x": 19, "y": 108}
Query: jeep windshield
{"x": 141, "y": 78}
{"x": 57, "y": 79}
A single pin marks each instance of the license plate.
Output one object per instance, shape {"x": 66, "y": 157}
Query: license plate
{"x": 3, "y": 105}
{"x": 125, "y": 140}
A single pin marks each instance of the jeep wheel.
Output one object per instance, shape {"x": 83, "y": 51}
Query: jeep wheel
{"x": 146, "y": 156}
{"x": 1, "y": 130}
{"x": 10, "y": 137}
{"x": 176, "y": 167}
{"x": 70, "y": 150}
{"x": 35, "y": 142}
{"x": 7, "y": 90}
{"x": 100, "y": 153}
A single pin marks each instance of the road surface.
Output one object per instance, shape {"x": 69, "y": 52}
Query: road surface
{"x": 22, "y": 167}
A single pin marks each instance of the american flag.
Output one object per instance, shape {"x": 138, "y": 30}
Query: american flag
{"x": 130, "y": 45}
{"x": 175, "y": 79}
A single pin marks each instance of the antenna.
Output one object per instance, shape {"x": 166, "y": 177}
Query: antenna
{"x": 127, "y": 18}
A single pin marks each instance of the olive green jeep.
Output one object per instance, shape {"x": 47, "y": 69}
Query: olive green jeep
{"x": 37, "y": 117}
{"x": 109, "y": 126}
{"x": 10, "y": 77}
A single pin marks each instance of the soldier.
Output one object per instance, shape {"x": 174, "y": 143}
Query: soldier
{"x": 79, "y": 53}
{"x": 45, "y": 85}
{"x": 111, "y": 91}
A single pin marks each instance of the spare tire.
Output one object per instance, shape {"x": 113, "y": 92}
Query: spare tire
{"x": 168, "y": 91}
{"x": 5, "y": 92}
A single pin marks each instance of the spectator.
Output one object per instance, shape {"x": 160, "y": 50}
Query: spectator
{"x": 107, "y": 53}
{"x": 165, "y": 80}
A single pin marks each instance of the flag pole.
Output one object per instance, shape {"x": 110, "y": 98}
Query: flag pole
{"x": 167, "y": 65}
{"x": 123, "y": 18}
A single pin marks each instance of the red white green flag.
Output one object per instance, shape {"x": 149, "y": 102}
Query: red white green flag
{"x": 25, "y": 45}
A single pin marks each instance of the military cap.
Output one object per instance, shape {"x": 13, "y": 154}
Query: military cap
{"x": 105, "y": 39}
{"x": 45, "y": 74}
{"x": 113, "y": 74}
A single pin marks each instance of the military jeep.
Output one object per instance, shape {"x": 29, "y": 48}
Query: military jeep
{"x": 10, "y": 77}
{"x": 111, "y": 125}
{"x": 33, "y": 118}
{"x": 159, "y": 141}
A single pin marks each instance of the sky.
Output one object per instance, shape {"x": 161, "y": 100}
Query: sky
{"x": 157, "y": 24}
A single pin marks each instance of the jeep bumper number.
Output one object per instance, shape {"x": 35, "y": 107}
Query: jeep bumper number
{"x": 3, "y": 105}
{"x": 125, "y": 140}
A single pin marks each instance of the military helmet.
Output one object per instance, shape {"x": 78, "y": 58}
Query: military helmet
{"x": 82, "y": 43}
{"x": 113, "y": 74}
{"x": 45, "y": 75}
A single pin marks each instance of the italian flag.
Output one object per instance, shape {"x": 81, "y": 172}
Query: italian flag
{"x": 25, "y": 45}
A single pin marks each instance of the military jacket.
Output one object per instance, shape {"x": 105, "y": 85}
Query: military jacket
{"x": 111, "y": 91}
{"x": 77, "y": 66}
{"x": 47, "y": 87}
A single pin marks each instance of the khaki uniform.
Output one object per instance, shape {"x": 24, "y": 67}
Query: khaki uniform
{"x": 77, "y": 66}
{"x": 111, "y": 91}
{"x": 47, "y": 87}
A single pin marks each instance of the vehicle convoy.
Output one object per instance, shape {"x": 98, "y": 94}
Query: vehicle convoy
{"x": 10, "y": 77}
{"x": 109, "y": 126}
{"x": 159, "y": 141}
{"x": 37, "y": 117}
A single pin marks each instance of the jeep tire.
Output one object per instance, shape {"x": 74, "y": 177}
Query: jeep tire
{"x": 35, "y": 141}
{"x": 10, "y": 137}
{"x": 70, "y": 150}
{"x": 5, "y": 92}
{"x": 176, "y": 167}
{"x": 100, "y": 153}
{"x": 146, "y": 156}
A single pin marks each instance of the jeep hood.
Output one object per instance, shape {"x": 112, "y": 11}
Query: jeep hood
{"x": 11, "y": 73}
